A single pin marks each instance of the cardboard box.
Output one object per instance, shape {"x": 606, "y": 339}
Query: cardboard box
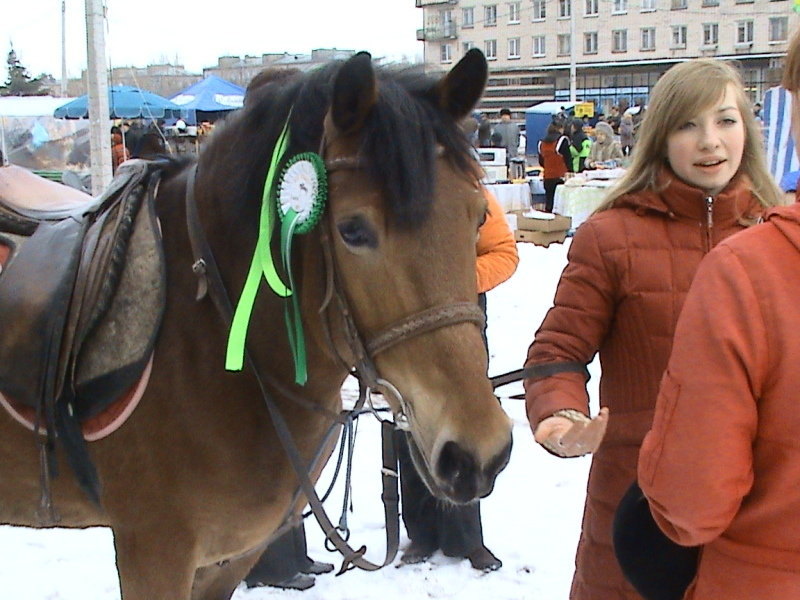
{"x": 540, "y": 238}
{"x": 559, "y": 223}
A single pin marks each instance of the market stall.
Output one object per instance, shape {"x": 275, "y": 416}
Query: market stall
{"x": 581, "y": 195}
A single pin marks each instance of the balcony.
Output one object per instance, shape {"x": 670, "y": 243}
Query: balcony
{"x": 447, "y": 31}
{"x": 423, "y": 3}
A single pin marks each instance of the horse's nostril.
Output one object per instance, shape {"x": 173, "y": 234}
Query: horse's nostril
{"x": 458, "y": 468}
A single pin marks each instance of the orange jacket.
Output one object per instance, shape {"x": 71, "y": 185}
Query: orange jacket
{"x": 721, "y": 465}
{"x": 496, "y": 248}
{"x": 629, "y": 270}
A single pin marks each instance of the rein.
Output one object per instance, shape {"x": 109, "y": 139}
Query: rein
{"x": 209, "y": 280}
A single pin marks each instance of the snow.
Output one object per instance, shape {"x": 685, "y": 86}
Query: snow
{"x": 531, "y": 521}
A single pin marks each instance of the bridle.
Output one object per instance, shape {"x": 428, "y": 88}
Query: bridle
{"x": 210, "y": 283}
{"x": 412, "y": 326}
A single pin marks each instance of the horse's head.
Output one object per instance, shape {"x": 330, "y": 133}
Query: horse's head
{"x": 404, "y": 208}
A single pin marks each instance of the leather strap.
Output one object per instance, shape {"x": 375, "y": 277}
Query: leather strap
{"x": 540, "y": 372}
{"x": 205, "y": 267}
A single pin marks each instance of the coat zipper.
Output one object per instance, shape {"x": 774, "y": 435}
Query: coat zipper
{"x": 709, "y": 220}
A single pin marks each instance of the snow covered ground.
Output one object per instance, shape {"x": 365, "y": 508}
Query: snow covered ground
{"x": 531, "y": 521}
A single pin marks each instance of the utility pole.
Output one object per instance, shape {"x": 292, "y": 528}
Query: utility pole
{"x": 573, "y": 51}
{"x": 97, "y": 89}
{"x": 63, "y": 48}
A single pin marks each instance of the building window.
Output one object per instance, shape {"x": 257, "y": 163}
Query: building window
{"x": 710, "y": 34}
{"x": 778, "y": 29}
{"x": 468, "y": 17}
{"x": 490, "y": 15}
{"x": 467, "y": 46}
{"x": 678, "y": 4}
{"x": 539, "y": 10}
{"x": 619, "y": 40}
{"x": 744, "y": 1}
{"x": 619, "y": 7}
{"x": 513, "y": 47}
{"x": 592, "y": 8}
{"x": 648, "y": 5}
{"x": 490, "y": 49}
{"x": 744, "y": 32}
{"x": 678, "y": 36}
{"x": 538, "y": 45}
{"x": 446, "y": 53}
{"x": 564, "y": 45}
{"x": 513, "y": 12}
{"x": 564, "y": 9}
{"x": 590, "y": 42}
{"x": 710, "y": 3}
{"x": 648, "y": 38}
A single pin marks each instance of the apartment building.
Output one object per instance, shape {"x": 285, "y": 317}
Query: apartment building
{"x": 619, "y": 48}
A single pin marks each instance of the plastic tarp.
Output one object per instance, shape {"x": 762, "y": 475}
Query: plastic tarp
{"x": 211, "y": 95}
{"x": 125, "y": 102}
{"x": 31, "y": 137}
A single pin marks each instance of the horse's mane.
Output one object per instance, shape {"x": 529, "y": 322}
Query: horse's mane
{"x": 400, "y": 137}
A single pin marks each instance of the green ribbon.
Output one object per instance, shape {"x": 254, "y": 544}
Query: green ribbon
{"x": 292, "y": 315}
{"x": 261, "y": 264}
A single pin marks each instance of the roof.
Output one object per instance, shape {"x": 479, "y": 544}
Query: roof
{"x": 549, "y": 108}
{"x": 210, "y": 94}
{"x": 30, "y": 106}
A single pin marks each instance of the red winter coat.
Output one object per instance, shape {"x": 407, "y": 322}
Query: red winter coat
{"x": 629, "y": 270}
{"x": 721, "y": 466}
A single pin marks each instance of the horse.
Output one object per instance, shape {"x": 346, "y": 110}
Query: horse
{"x": 194, "y": 483}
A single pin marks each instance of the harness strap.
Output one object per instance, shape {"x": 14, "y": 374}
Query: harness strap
{"x": 540, "y": 372}
{"x": 427, "y": 320}
{"x": 205, "y": 266}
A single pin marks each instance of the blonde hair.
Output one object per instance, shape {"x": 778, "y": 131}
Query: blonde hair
{"x": 682, "y": 92}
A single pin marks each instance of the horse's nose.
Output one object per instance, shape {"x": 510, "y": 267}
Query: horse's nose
{"x": 464, "y": 479}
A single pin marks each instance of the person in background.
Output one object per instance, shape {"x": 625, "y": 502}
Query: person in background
{"x": 508, "y": 132}
{"x": 553, "y": 158}
{"x": 626, "y": 139}
{"x": 757, "y": 111}
{"x": 119, "y": 153}
{"x": 580, "y": 146}
{"x": 484, "y": 131}
{"x": 432, "y": 525}
{"x": 698, "y": 176}
{"x": 720, "y": 465}
{"x": 604, "y": 148}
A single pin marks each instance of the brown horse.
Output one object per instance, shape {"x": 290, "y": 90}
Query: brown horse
{"x": 195, "y": 481}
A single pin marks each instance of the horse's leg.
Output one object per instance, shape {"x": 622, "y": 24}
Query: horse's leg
{"x": 154, "y": 565}
{"x": 218, "y": 582}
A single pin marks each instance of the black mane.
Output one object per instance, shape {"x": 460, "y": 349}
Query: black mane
{"x": 399, "y": 146}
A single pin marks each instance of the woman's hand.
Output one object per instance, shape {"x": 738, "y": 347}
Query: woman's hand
{"x": 569, "y": 433}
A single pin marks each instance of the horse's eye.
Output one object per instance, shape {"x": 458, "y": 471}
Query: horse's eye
{"x": 357, "y": 232}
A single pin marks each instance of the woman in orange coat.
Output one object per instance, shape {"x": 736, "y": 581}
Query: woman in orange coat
{"x": 698, "y": 175}
{"x": 432, "y": 526}
{"x": 721, "y": 465}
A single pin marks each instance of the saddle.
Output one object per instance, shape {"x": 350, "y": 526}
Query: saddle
{"x": 82, "y": 294}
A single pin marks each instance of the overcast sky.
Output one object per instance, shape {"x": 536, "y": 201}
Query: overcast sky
{"x": 194, "y": 33}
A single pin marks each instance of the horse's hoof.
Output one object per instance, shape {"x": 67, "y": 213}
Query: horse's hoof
{"x": 296, "y": 582}
{"x": 416, "y": 553}
{"x": 482, "y": 559}
{"x": 315, "y": 567}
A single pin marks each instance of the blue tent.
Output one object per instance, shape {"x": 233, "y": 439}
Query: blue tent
{"x": 538, "y": 117}
{"x": 209, "y": 99}
{"x": 125, "y": 102}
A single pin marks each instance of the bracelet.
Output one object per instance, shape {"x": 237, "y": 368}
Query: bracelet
{"x": 573, "y": 415}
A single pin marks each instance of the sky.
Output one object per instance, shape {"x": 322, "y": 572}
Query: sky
{"x": 531, "y": 521}
{"x": 195, "y": 33}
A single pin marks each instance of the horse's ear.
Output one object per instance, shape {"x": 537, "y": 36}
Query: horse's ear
{"x": 460, "y": 90}
{"x": 354, "y": 93}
